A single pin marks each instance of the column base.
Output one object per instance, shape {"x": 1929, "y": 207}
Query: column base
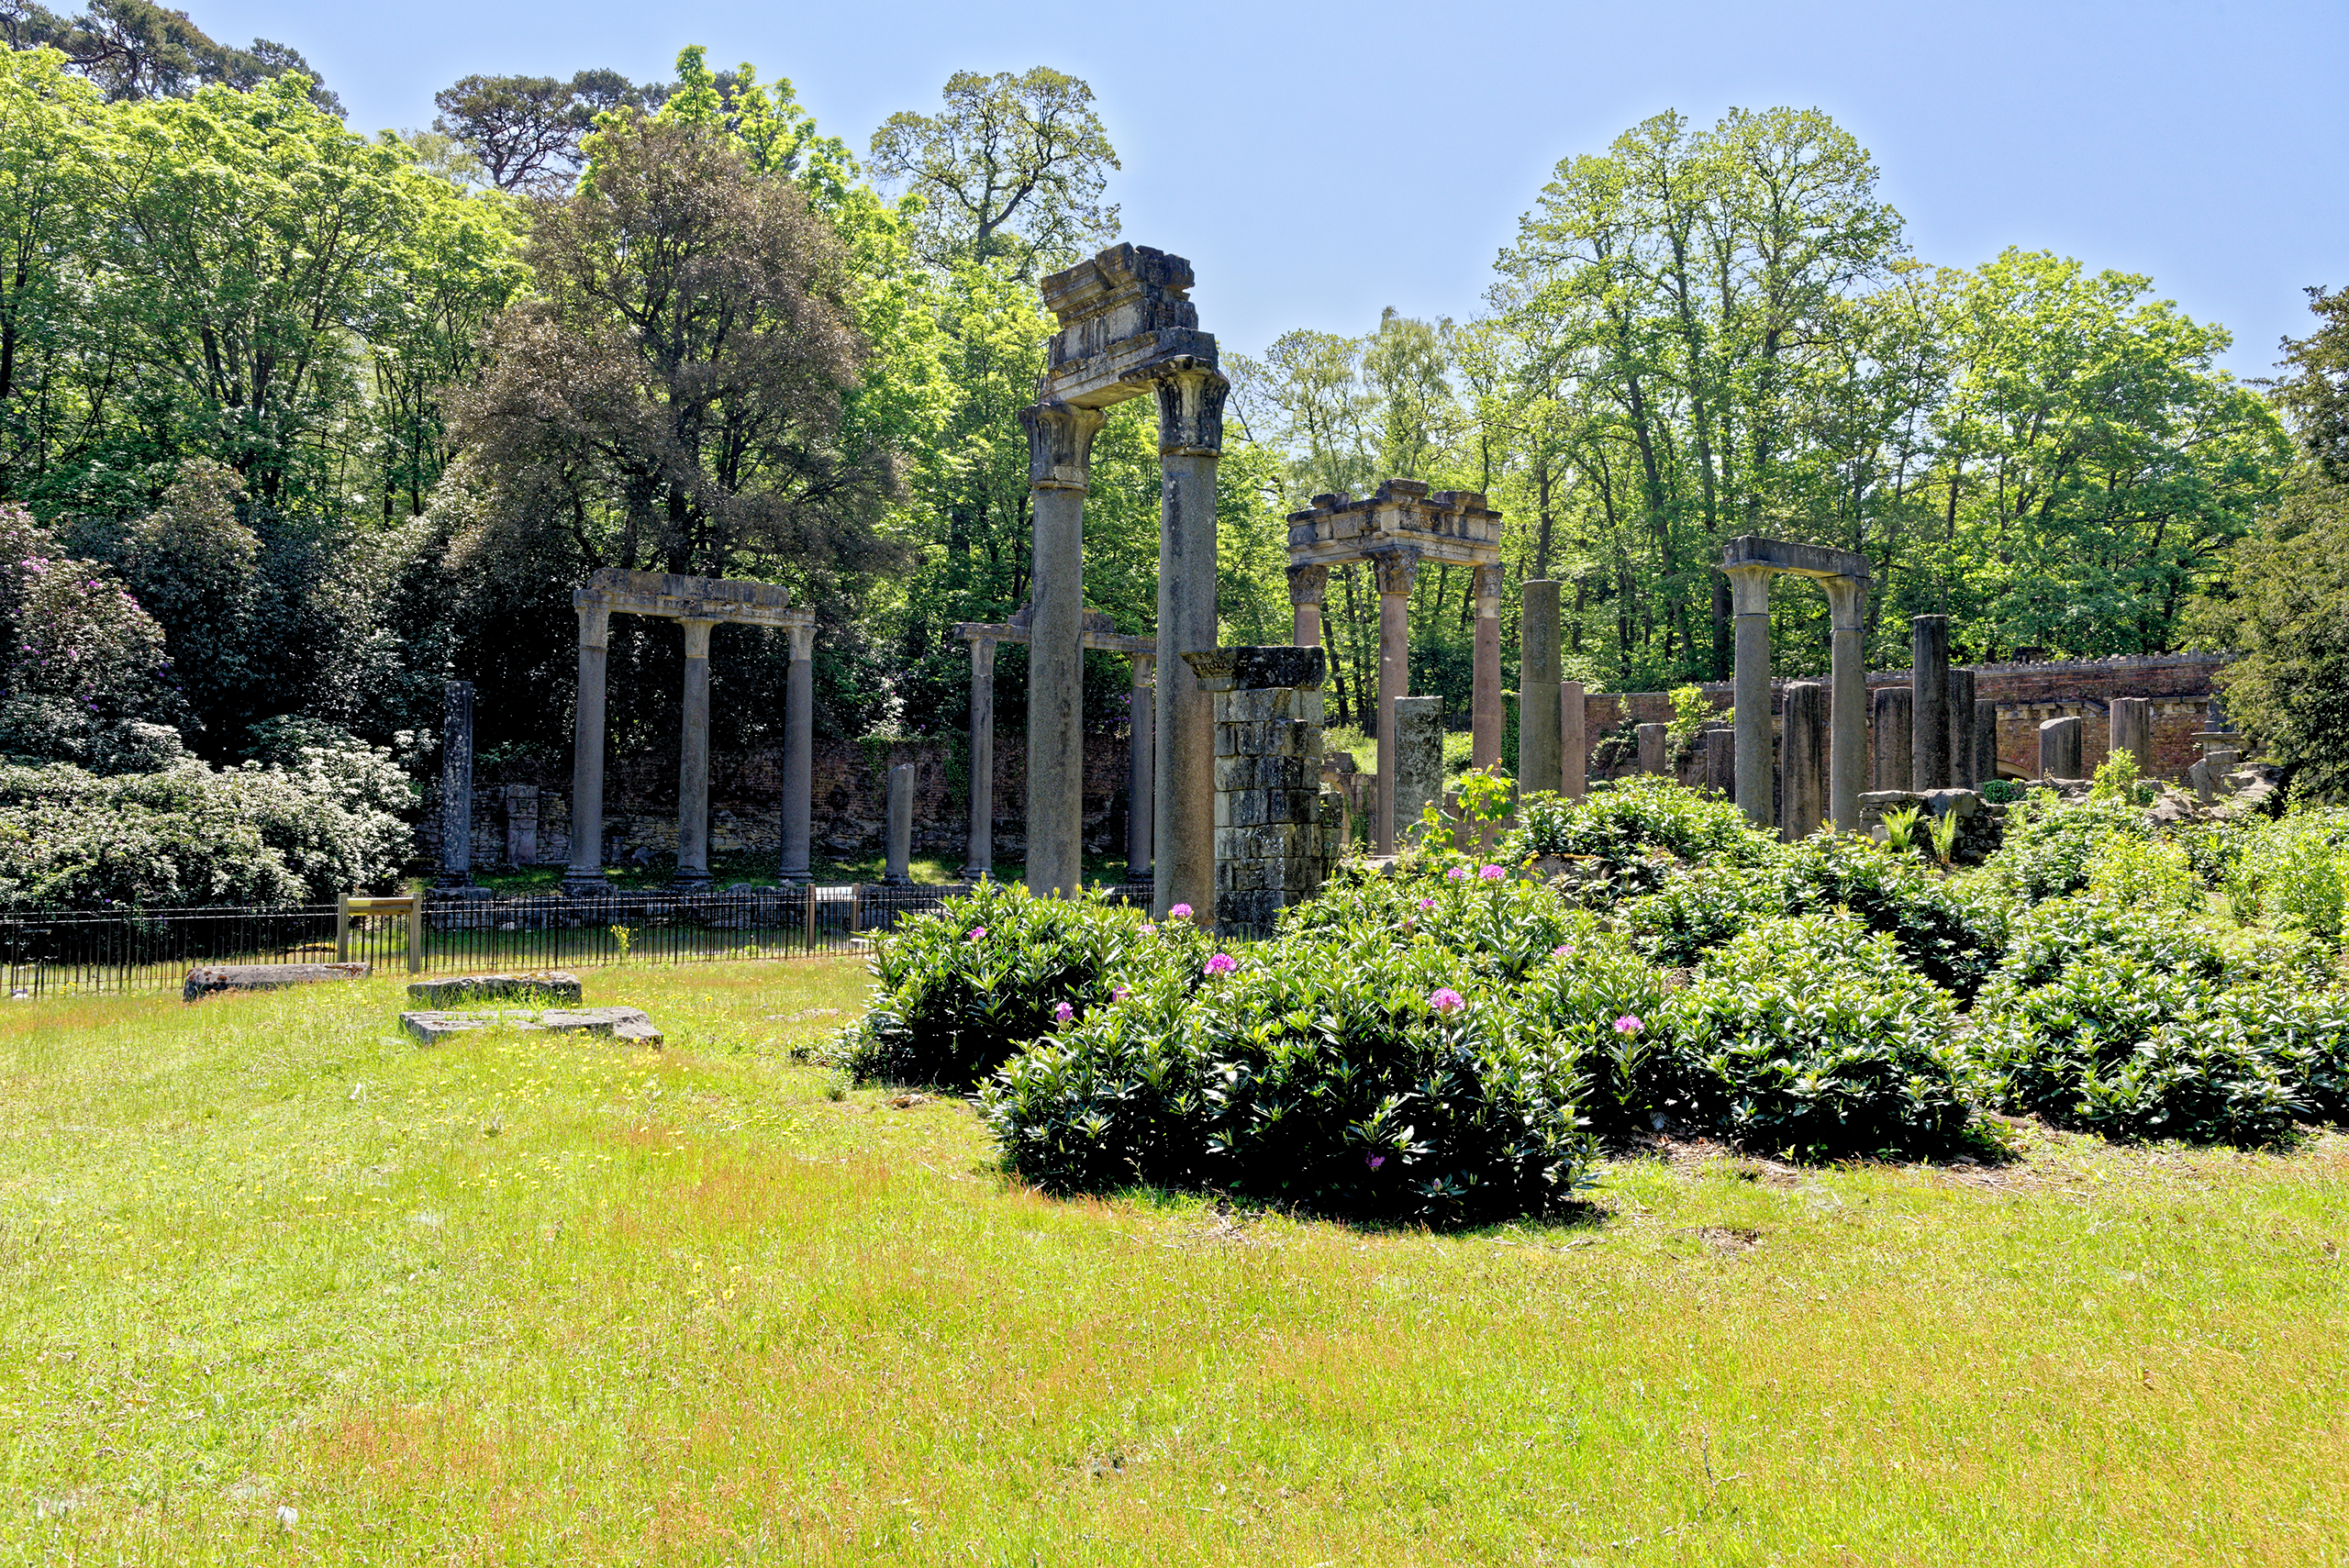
{"x": 976, "y": 873}
{"x": 1139, "y": 874}
{"x": 692, "y": 881}
{"x": 585, "y": 884}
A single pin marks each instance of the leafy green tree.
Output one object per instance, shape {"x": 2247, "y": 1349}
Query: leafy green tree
{"x": 524, "y": 131}
{"x": 1011, "y": 170}
{"x": 134, "y": 49}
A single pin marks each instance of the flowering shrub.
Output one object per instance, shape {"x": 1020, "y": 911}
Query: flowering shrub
{"x": 1496, "y": 927}
{"x": 1591, "y": 999}
{"x": 955, "y": 992}
{"x": 1811, "y": 1034}
{"x": 1630, "y": 823}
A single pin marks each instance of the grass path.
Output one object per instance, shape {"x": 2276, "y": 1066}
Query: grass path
{"x": 279, "y": 1287}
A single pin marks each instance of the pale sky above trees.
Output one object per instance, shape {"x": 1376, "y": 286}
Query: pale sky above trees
{"x": 1319, "y": 162}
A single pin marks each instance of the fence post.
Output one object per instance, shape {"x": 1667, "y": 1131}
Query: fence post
{"x": 343, "y": 927}
{"x": 416, "y": 927}
{"x": 811, "y": 916}
{"x": 855, "y": 907}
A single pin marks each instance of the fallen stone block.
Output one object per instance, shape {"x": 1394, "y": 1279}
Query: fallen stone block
{"x": 553, "y": 986}
{"x": 429, "y": 1027}
{"x": 211, "y": 979}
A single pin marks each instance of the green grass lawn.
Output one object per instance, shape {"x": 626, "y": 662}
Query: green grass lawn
{"x": 281, "y": 1286}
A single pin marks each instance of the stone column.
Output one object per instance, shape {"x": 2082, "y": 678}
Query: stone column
{"x": 1268, "y": 843}
{"x": 1986, "y": 740}
{"x": 1960, "y": 731}
{"x": 2059, "y": 749}
{"x": 1655, "y": 740}
{"x": 1190, "y": 440}
{"x": 1756, "y": 770}
{"x": 1418, "y": 759}
{"x": 522, "y": 825}
{"x": 1894, "y": 758}
{"x": 1537, "y": 670}
{"x": 1574, "y": 744}
{"x": 2131, "y": 730}
{"x": 1721, "y": 760}
{"x": 1059, "y": 443}
{"x": 692, "y": 761}
{"x": 1308, "y": 587}
{"x": 456, "y": 784}
{"x": 1847, "y": 750}
{"x": 1487, "y": 721}
{"x": 1141, "y": 755}
{"x": 1806, "y": 761}
{"x": 978, "y": 844}
{"x": 1929, "y": 681}
{"x": 585, "y": 872}
{"x": 1398, "y": 573}
{"x": 799, "y": 756}
{"x": 899, "y": 872}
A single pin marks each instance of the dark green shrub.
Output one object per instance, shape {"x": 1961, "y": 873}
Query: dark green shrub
{"x": 1498, "y": 926}
{"x": 1813, "y": 1035}
{"x": 1696, "y": 911}
{"x": 2049, "y": 843}
{"x": 1598, "y": 1001}
{"x": 2048, "y": 939}
{"x": 957, "y": 992}
{"x": 1636, "y": 828}
{"x": 1952, "y": 938}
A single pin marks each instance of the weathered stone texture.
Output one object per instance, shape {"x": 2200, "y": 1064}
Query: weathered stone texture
{"x": 213, "y": 978}
{"x": 555, "y": 985}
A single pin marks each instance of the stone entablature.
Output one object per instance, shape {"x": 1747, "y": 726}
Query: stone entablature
{"x": 1446, "y": 528}
{"x": 1126, "y": 316}
{"x": 616, "y": 590}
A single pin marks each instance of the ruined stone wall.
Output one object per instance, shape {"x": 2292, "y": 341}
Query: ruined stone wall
{"x": 2179, "y": 685}
{"x": 851, "y": 789}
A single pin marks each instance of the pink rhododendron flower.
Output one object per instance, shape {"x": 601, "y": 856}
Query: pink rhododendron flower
{"x": 1446, "y": 1000}
{"x": 1560, "y": 950}
{"x": 1119, "y": 995}
{"x": 1427, "y": 903}
{"x": 1492, "y": 874}
{"x": 1063, "y": 1013}
{"x": 1222, "y": 963}
{"x": 1374, "y": 1161}
{"x": 1628, "y": 1024}
{"x": 978, "y": 933}
{"x": 1457, "y": 873}
{"x": 1180, "y": 912}
{"x": 1148, "y": 930}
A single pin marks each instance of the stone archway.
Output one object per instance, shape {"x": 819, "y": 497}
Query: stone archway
{"x": 1751, "y": 562}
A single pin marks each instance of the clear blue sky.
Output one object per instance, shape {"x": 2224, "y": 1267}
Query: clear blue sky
{"x": 1318, "y": 161}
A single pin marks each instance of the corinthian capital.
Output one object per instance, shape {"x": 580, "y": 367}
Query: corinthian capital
{"x": 1190, "y": 411}
{"x": 1060, "y": 444}
{"x": 1487, "y": 584}
{"x": 1308, "y": 584}
{"x": 1399, "y": 570}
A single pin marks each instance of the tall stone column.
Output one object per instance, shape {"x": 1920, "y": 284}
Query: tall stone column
{"x": 1985, "y": 740}
{"x": 900, "y": 848}
{"x": 1487, "y": 721}
{"x": 456, "y": 784}
{"x": 1398, "y": 573}
{"x": 799, "y": 757}
{"x": 2131, "y": 730}
{"x": 1756, "y": 769}
{"x": 1537, "y": 670}
{"x": 978, "y": 853}
{"x": 1929, "y": 680}
{"x": 1894, "y": 747}
{"x": 692, "y": 761}
{"x": 1806, "y": 761}
{"x": 1847, "y": 759}
{"x": 1142, "y": 756}
{"x": 1308, "y": 587}
{"x": 1059, "y": 443}
{"x": 1961, "y": 729}
{"x": 1190, "y": 441}
{"x": 1573, "y": 743}
{"x": 586, "y": 874}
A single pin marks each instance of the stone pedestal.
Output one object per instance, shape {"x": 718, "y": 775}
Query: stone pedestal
{"x": 1656, "y": 744}
{"x": 1962, "y": 773}
{"x": 1269, "y": 836}
{"x": 521, "y": 824}
{"x": 978, "y": 852}
{"x": 2059, "y": 749}
{"x": 899, "y": 872}
{"x": 456, "y": 784}
{"x": 1574, "y": 744}
{"x": 1894, "y": 758}
{"x": 1804, "y": 805}
{"x": 1486, "y": 719}
{"x": 2131, "y": 721}
{"x": 1419, "y": 759}
{"x": 1537, "y": 722}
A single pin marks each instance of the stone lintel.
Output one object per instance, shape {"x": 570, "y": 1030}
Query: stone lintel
{"x": 1449, "y": 528}
{"x": 617, "y": 590}
{"x": 1802, "y": 560}
{"x": 1249, "y": 668}
{"x": 1125, "y": 314}
{"x": 1099, "y": 641}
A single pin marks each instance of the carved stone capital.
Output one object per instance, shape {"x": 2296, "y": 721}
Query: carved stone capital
{"x": 1486, "y": 584}
{"x": 1190, "y": 410}
{"x": 595, "y": 626}
{"x": 1060, "y": 444}
{"x": 1748, "y": 588}
{"x": 1308, "y": 584}
{"x": 1399, "y": 570}
{"x": 696, "y": 637}
{"x": 802, "y": 643}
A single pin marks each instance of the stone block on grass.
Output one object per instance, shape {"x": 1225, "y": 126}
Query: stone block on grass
{"x": 430, "y": 1027}
{"x": 549, "y": 985}
{"x": 213, "y": 978}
